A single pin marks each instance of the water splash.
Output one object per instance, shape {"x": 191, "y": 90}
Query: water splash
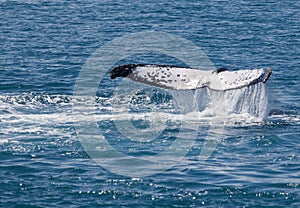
{"x": 247, "y": 103}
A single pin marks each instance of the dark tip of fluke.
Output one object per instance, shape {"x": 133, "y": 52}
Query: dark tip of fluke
{"x": 267, "y": 75}
{"x": 122, "y": 70}
{"x": 222, "y": 69}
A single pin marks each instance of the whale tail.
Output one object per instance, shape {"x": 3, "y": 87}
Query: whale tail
{"x": 184, "y": 78}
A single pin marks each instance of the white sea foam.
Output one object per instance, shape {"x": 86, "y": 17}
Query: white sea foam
{"x": 30, "y": 113}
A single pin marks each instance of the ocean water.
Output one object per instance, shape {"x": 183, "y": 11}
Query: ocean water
{"x": 177, "y": 149}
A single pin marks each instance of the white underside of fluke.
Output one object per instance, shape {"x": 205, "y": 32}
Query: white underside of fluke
{"x": 181, "y": 78}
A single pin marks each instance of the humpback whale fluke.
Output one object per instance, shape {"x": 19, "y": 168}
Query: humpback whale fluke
{"x": 184, "y": 78}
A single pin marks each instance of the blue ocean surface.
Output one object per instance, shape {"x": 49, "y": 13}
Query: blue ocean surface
{"x": 239, "y": 148}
